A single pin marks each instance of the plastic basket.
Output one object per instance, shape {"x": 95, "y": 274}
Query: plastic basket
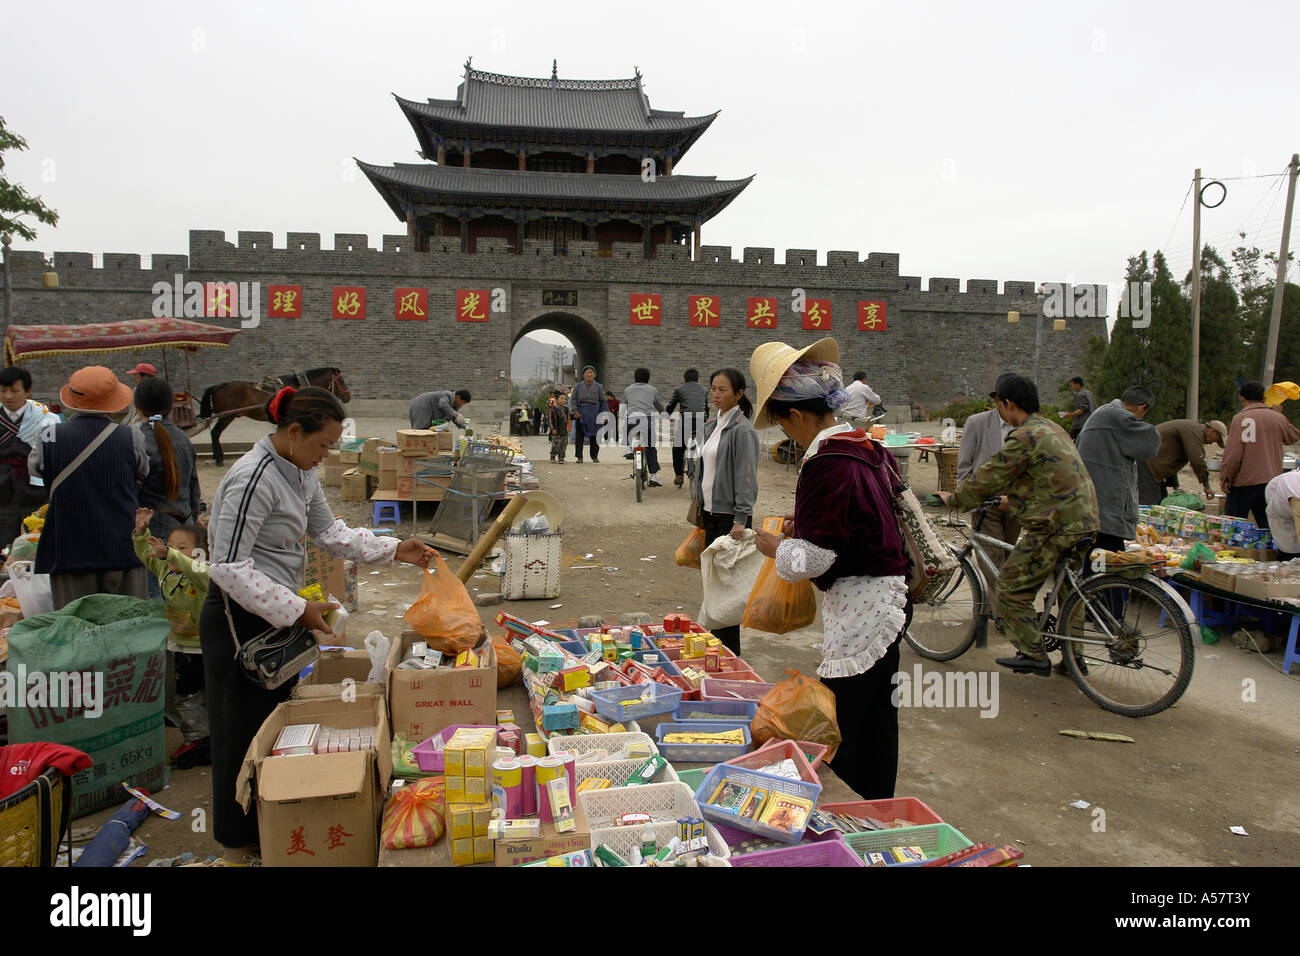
{"x": 935, "y": 839}
{"x": 716, "y": 710}
{"x": 622, "y": 839}
{"x": 618, "y": 772}
{"x": 665, "y": 802}
{"x": 693, "y": 778}
{"x": 910, "y": 809}
{"x": 701, "y": 753}
{"x": 581, "y": 743}
{"x": 711, "y": 688}
{"x": 798, "y": 788}
{"x": 826, "y": 853}
{"x": 429, "y": 752}
{"x": 623, "y": 703}
{"x": 815, "y": 753}
{"x": 774, "y": 751}
{"x": 737, "y": 839}
{"x": 576, "y": 648}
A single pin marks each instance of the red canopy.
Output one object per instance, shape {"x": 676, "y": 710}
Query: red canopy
{"x": 43, "y": 341}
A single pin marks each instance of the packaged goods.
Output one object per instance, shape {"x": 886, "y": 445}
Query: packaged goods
{"x": 414, "y": 814}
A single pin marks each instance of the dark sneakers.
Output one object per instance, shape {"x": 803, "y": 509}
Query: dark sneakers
{"x": 1024, "y": 664}
{"x": 194, "y": 754}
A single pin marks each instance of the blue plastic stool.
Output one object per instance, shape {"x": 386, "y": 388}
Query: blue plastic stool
{"x": 387, "y": 511}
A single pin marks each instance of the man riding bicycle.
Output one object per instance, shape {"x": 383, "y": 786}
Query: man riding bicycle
{"x": 1048, "y": 489}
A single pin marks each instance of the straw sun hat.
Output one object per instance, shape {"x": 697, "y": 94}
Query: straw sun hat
{"x": 771, "y": 360}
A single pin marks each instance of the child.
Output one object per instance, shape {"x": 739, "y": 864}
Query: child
{"x": 180, "y": 566}
{"x": 559, "y": 425}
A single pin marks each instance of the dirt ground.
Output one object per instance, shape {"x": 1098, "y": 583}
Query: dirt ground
{"x": 1211, "y": 762}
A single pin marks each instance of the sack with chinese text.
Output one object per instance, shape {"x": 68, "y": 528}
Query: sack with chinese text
{"x": 102, "y": 668}
{"x": 444, "y": 613}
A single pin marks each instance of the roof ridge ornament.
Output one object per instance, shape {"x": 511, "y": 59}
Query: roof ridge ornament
{"x": 464, "y": 84}
{"x": 555, "y": 79}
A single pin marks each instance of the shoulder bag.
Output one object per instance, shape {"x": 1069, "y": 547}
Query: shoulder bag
{"x": 931, "y": 563}
{"x": 276, "y": 655}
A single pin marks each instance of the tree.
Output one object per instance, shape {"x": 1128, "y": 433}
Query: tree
{"x": 16, "y": 200}
{"x": 1124, "y": 360}
{"x": 1224, "y": 338}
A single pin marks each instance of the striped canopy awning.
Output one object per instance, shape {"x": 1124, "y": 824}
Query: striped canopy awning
{"x": 43, "y": 341}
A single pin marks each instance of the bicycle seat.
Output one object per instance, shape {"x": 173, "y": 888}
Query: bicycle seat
{"x": 1080, "y": 552}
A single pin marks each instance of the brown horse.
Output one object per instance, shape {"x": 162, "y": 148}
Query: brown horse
{"x": 230, "y": 400}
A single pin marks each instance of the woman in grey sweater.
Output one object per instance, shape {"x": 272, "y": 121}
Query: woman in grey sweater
{"x": 726, "y": 483}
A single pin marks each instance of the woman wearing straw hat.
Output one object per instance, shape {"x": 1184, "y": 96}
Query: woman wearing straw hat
{"x": 85, "y": 546}
{"x": 844, "y": 537}
{"x": 726, "y": 481}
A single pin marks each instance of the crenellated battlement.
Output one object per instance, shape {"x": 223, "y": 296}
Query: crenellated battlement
{"x": 210, "y": 250}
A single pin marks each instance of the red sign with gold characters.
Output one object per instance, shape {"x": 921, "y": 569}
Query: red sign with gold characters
{"x": 643, "y": 308}
{"x": 761, "y": 312}
{"x": 220, "y": 300}
{"x": 706, "y": 310}
{"x": 349, "y": 301}
{"x": 871, "y": 317}
{"x": 411, "y": 305}
{"x": 284, "y": 301}
{"x": 817, "y": 315}
{"x": 471, "y": 305}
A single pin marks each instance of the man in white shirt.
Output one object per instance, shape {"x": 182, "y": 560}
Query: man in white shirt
{"x": 861, "y": 397}
{"x": 1282, "y": 500}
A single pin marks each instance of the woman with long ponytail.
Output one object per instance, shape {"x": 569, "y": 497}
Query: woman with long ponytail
{"x": 171, "y": 491}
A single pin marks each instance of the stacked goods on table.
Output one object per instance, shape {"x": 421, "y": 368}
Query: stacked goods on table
{"x": 1259, "y": 580}
{"x": 1168, "y": 533}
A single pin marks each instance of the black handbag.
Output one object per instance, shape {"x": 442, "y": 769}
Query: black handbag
{"x": 276, "y": 655}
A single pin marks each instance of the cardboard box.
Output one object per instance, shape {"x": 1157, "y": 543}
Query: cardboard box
{"x": 517, "y": 851}
{"x": 406, "y": 466}
{"x": 318, "y": 809}
{"x": 336, "y": 576}
{"x": 305, "y": 690}
{"x": 424, "y": 702}
{"x": 336, "y": 664}
{"x": 332, "y": 475}
{"x": 446, "y": 441}
{"x": 1216, "y": 577}
{"x": 354, "y": 484}
{"x": 424, "y": 491}
{"x": 416, "y": 441}
{"x": 1261, "y": 589}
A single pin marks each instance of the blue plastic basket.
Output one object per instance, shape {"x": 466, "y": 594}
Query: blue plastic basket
{"x": 702, "y": 753}
{"x": 669, "y": 667}
{"x": 576, "y": 648}
{"x": 624, "y": 703}
{"x": 725, "y": 710}
{"x": 753, "y": 778}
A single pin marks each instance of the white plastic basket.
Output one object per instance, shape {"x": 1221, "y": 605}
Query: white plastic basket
{"x": 618, "y": 772}
{"x": 622, "y": 839}
{"x": 532, "y": 566}
{"x": 581, "y": 743}
{"x": 665, "y": 802}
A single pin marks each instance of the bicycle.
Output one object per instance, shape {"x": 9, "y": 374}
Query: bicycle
{"x": 1129, "y": 634}
{"x": 640, "y": 475}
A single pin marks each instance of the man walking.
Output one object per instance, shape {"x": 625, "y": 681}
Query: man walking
{"x": 692, "y": 398}
{"x": 1252, "y": 455}
{"x": 1182, "y": 442}
{"x": 983, "y": 437}
{"x": 1084, "y": 404}
{"x": 1111, "y": 445}
{"x": 439, "y": 406}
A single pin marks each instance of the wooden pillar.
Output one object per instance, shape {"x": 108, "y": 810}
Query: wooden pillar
{"x": 591, "y": 162}
{"x": 464, "y": 232}
{"x": 464, "y": 155}
{"x": 442, "y": 155}
{"x": 591, "y": 230}
{"x": 668, "y": 166}
{"x": 523, "y": 157}
{"x": 519, "y": 230}
{"x": 645, "y": 239}
{"x": 697, "y": 243}
{"x": 668, "y": 233}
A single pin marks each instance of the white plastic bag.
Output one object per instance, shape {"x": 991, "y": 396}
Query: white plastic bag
{"x": 377, "y": 648}
{"x": 729, "y": 569}
{"x": 337, "y": 619}
{"x": 32, "y": 590}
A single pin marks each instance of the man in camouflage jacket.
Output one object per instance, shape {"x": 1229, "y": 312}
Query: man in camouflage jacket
{"x": 1046, "y": 487}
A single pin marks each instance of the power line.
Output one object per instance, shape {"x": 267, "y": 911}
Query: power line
{"x": 1180, "y": 214}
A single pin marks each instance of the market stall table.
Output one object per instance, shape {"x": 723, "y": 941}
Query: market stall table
{"x": 1198, "y": 590}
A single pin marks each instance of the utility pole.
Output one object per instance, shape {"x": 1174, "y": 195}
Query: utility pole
{"x": 1275, "y": 320}
{"x": 1194, "y": 383}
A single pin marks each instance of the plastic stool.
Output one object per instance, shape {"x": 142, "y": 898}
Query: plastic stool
{"x": 387, "y": 511}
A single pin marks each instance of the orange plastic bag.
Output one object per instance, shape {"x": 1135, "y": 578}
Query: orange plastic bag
{"x": 509, "y": 664}
{"x": 444, "y": 613}
{"x": 688, "y": 552}
{"x": 414, "y": 815}
{"x": 776, "y": 605}
{"x": 799, "y": 708}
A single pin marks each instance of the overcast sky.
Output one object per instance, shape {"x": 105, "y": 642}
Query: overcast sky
{"x": 1001, "y": 140}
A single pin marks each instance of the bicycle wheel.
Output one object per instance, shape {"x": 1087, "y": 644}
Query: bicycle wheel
{"x": 944, "y": 628}
{"x": 639, "y": 474}
{"x": 1147, "y": 664}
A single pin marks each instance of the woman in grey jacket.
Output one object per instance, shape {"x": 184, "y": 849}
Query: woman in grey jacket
{"x": 726, "y": 483}
{"x": 262, "y": 509}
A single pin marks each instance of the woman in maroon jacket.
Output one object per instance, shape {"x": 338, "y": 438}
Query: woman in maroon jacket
{"x": 844, "y": 537}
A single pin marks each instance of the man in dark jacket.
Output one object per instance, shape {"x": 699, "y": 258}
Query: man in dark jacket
{"x": 692, "y": 399}
{"x": 1085, "y": 403}
{"x": 1111, "y": 445}
{"x": 1182, "y": 442}
{"x": 85, "y": 546}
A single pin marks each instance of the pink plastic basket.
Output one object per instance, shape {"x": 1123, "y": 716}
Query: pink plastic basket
{"x": 774, "y": 751}
{"x": 713, "y": 688}
{"x": 826, "y": 853}
{"x": 428, "y": 753}
{"x": 815, "y": 753}
{"x": 910, "y": 809}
